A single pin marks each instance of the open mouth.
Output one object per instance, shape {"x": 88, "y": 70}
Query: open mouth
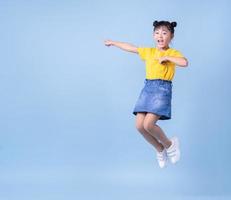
{"x": 160, "y": 41}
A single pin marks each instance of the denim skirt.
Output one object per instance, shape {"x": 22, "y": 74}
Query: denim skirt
{"x": 155, "y": 98}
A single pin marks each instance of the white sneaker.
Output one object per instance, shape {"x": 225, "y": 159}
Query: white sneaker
{"x": 162, "y": 158}
{"x": 173, "y": 152}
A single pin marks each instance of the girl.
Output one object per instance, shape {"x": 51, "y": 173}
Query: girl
{"x": 154, "y": 102}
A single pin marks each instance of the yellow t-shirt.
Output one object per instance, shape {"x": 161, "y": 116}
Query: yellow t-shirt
{"x": 155, "y": 70}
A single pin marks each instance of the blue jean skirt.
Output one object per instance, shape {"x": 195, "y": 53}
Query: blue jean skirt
{"x": 155, "y": 98}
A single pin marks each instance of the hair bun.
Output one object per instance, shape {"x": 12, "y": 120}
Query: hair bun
{"x": 155, "y": 23}
{"x": 173, "y": 24}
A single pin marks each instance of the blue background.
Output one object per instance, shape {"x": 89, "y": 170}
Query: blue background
{"x": 66, "y": 128}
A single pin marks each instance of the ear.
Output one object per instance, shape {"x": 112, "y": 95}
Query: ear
{"x": 172, "y": 36}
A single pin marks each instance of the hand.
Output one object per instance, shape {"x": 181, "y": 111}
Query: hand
{"x": 163, "y": 60}
{"x": 108, "y": 43}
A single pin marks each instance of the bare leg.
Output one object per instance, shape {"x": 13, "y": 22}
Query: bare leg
{"x": 151, "y": 127}
{"x": 140, "y": 127}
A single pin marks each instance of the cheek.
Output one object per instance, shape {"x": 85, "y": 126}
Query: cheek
{"x": 155, "y": 37}
{"x": 168, "y": 39}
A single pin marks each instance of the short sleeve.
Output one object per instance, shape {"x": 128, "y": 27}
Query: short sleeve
{"x": 144, "y": 52}
{"x": 176, "y": 53}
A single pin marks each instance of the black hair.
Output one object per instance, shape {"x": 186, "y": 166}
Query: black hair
{"x": 170, "y": 25}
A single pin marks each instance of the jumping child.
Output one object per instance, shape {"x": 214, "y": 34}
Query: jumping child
{"x": 154, "y": 102}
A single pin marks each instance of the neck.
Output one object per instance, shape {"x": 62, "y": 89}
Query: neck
{"x": 163, "y": 48}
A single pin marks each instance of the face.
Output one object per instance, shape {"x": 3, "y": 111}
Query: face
{"x": 162, "y": 37}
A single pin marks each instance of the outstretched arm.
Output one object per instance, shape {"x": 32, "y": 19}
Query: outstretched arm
{"x": 122, "y": 45}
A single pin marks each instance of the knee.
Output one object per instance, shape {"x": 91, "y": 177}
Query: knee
{"x": 140, "y": 127}
{"x": 149, "y": 126}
